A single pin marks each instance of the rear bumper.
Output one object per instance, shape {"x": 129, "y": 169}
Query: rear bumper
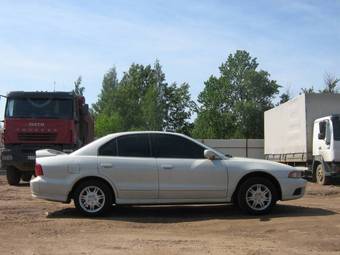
{"x": 292, "y": 188}
{"x": 53, "y": 190}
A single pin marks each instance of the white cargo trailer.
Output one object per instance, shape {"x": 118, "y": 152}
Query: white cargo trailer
{"x": 305, "y": 131}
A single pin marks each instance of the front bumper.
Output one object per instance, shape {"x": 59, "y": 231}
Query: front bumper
{"x": 23, "y": 160}
{"x": 292, "y": 188}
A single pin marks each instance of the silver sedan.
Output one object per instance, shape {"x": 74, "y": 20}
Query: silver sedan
{"x": 160, "y": 168}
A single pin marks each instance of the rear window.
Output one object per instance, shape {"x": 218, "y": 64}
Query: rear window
{"x": 134, "y": 145}
{"x": 108, "y": 149}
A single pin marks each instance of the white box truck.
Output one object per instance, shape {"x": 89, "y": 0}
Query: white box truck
{"x": 305, "y": 132}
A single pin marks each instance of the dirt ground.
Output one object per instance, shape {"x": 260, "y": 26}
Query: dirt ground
{"x": 307, "y": 226}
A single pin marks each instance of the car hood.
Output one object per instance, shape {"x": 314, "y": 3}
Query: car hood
{"x": 259, "y": 164}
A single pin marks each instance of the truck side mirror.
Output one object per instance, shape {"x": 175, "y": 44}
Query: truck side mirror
{"x": 321, "y": 136}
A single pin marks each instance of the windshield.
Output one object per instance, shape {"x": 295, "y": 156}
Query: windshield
{"x": 39, "y": 108}
{"x": 336, "y": 128}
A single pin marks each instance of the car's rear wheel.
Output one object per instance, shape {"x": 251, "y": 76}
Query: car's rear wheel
{"x": 257, "y": 195}
{"x": 13, "y": 175}
{"x": 93, "y": 197}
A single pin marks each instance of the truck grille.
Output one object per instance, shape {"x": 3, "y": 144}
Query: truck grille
{"x": 37, "y": 136}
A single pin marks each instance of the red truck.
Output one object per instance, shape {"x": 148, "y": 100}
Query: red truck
{"x": 42, "y": 120}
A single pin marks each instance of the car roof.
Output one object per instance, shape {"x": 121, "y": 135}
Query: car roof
{"x": 91, "y": 148}
{"x": 144, "y": 132}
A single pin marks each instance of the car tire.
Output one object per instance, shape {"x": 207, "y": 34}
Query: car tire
{"x": 320, "y": 175}
{"x": 93, "y": 197}
{"x": 257, "y": 195}
{"x": 26, "y": 177}
{"x": 13, "y": 175}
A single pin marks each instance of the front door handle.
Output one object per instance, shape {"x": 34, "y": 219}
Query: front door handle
{"x": 106, "y": 165}
{"x": 167, "y": 167}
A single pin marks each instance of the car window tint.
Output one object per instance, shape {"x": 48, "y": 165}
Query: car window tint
{"x": 134, "y": 145}
{"x": 108, "y": 149}
{"x": 173, "y": 146}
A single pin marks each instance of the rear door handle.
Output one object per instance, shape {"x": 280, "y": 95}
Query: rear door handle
{"x": 106, "y": 165}
{"x": 167, "y": 167}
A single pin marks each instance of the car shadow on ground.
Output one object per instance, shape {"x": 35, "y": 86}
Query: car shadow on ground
{"x": 191, "y": 213}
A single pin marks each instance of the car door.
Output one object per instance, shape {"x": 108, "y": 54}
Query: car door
{"x": 184, "y": 173}
{"x": 324, "y": 140}
{"x": 127, "y": 161}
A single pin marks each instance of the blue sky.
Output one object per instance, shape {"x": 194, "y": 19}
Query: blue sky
{"x": 43, "y": 43}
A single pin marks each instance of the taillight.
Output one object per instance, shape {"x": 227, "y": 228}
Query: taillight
{"x": 38, "y": 170}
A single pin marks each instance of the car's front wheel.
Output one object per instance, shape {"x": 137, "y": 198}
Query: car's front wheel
{"x": 93, "y": 197}
{"x": 257, "y": 195}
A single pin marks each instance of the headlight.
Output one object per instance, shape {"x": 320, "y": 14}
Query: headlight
{"x": 295, "y": 174}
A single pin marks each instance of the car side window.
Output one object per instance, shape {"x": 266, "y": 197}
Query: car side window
{"x": 134, "y": 145}
{"x": 108, "y": 149}
{"x": 173, "y": 146}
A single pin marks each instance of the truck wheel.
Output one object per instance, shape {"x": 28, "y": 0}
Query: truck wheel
{"x": 13, "y": 175}
{"x": 93, "y": 198}
{"x": 257, "y": 195}
{"x": 26, "y": 177}
{"x": 321, "y": 177}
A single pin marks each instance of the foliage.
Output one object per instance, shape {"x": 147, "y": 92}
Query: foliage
{"x": 106, "y": 124}
{"x": 330, "y": 86}
{"x": 141, "y": 100}
{"x": 105, "y": 103}
{"x": 284, "y": 97}
{"x": 307, "y": 90}
{"x": 331, "y": 83}
{"x": 232, "y": 105}
{"x": 78, "y": 89}
{"x": 178, "y": 108}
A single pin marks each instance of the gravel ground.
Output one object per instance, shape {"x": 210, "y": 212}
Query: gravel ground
{"x": 307, "y": 226}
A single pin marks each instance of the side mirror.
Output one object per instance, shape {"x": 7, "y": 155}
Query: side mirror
{"x": 321, "y": 136}
{"x": 210, "y": 155}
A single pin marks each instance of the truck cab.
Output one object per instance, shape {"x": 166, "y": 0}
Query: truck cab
{"x": 326, "y": 147}
{"x": 37, "y": 120}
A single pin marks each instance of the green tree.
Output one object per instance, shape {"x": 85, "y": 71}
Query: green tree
{"x": 78, "y": 89}
{"x": 330, "y": 86}
{"x": 331, "y": 83}
{"x": 284, "y": 97}
{"x": 141, "y": 100}
{"x": 307, "y": 90}
{"x": 106, "y": 98}
{"x": 106, "y": 124}
{"x": 232, "y": 104}
{"x": 179, "y": 108}
{"x": 106, "y": 119}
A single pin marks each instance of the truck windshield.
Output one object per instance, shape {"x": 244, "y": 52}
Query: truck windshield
{"x": 47, "y": 108}
{"x": 336, "y": 128}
